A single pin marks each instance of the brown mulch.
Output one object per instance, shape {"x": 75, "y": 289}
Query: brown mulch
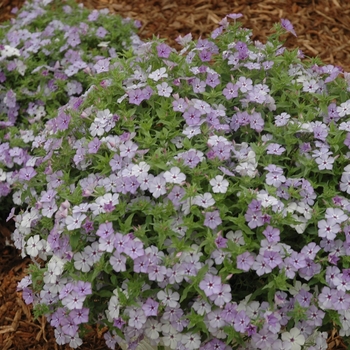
{"x": 323, "y": 28}
{"x": 18, "y": 328}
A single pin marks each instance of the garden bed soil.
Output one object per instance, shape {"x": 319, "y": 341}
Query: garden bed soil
{"x": 323, "y": 28}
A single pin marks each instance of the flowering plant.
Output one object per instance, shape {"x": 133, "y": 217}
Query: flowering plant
{"x": 197, "y": 199}
{"x": 48, "y": 55}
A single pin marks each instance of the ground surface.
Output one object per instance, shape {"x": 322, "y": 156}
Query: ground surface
{"x": 323, "y": 28}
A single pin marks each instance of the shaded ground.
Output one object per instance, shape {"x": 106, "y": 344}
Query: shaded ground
{"x": 323, "y": 28}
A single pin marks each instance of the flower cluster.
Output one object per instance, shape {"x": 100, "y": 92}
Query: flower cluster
{"x": 48, "y": 56}
{"x": 197, "y": 199}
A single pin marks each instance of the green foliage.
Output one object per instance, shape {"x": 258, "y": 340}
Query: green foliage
{"x": 168, "y": 184}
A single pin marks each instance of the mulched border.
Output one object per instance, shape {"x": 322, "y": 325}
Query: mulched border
{"x": 323, "y": 29}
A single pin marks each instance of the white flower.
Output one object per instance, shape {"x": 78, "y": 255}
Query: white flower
{"x": 177, "y": 141}
{"x": 112, "y": 142}
{"x": 16, "y": 197}
{"x": 248, "y": 165}
{"x": 191, "y": 341}
{"x": 110, "y": 198}
{"x": 81, "y": 208}
{"x": 345, "y": 320}
{"x": 145, "y": 181}
{"x": 304, "y": 209}
{"x": 191, "y": 131}
{"x": 128, "y": 149}
{"x": 29, "y": 217}
{"x": 219, "y": 184}
{"x": 305, "y": 127}
{"x": 236, "y": 237}
{"x": 169, "y": 298}
{"x": 75, "y": 341}
{"x": 121, "y": 99}
{"x": 73, "y": 301}
{"x": 2, "y": 175}
{"x": 170, "y": 336}
{"x": 337, "y": 214}
{"x": 31, "y": 161}
{"x": 157, "y": 186}
{"x": 345, "y": 183}
{"x": 252, "y": 309}
{"x": 292, "y": 207}
{"x": 186, "y": 207}
{"x": 9, "y": 51}
{"x": 282, "y": 119}
{"x": 195, "y": 70}
{"x": 113, "y": 307}
{"x": 96, "y": 129}
{"x": 73, "y": 222}
{"x": 34, "y": 245}
{"x": 344, "y": 108}
{"x": 49, "y": 209}
{"x": 103, "y": 44}
{"x": 325, "y": 162}
{"x": 347, "y": 170}
{"x": 202, "y": 106}
{"x": 140, "y": 169}
{"x": 266, "y": 137}
{"x": 205, "y": 200}
{"x": 174, "y": 176}
{"x": 46, "y": 249}
{"x": 297, "y": 287}
{"x": 164, "y": 89}
{"x": 201, "y": 306}
{"x": 294, "y": 337}
{"x": 93, "y": 252}
{"x": 137, "y": 318}
{"x": 152, "y": 328}
{"x": 301, "y": 226}
{"x": 266, "y": 200}
{"x": 158, "y": 74}
{"x": 49, "y": 277}
{"x": 344, "y": 126}
{"x": 246, "y": 169}
{"x": 82, "y": 262}
{"x": 278, "y": 344}
{"x": 310, "y": 86}
{"x": 213, "y": 140}
{"x": 56, "y": 265}
{"x": 98, "y": 206}
{"x": 320, "y": 338}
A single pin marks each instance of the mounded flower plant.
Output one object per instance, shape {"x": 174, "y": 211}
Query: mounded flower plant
{"x": 196, "y": 199}
{"x": 48, "y": 55}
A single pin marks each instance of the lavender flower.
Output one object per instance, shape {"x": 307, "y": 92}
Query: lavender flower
{"x": 287, "y": 25}
{"x": 191, "y": 195}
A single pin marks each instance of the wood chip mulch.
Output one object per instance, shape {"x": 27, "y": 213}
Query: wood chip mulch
{"x": 322, "y": 26}
{"x": 323, "y": 29}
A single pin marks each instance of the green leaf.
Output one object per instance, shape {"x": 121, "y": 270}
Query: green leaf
{"x": 193, "y": 287}
{"x": 75, "y": 239}
{"x": 104, "y": 293}
{"x": 40, "y": 310}
{"x": 298, "y": 313}
{"x": 233, "y": 337}
{"x": 196, "y": 322}
{"x": 163, "y": 231}
{"x": 126, "y": 224}
{"x": 332, "y": 317}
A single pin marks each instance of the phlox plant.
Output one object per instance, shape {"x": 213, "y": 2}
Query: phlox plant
{"x": 47, "y": 56}
{"x": 198, "y": 199}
